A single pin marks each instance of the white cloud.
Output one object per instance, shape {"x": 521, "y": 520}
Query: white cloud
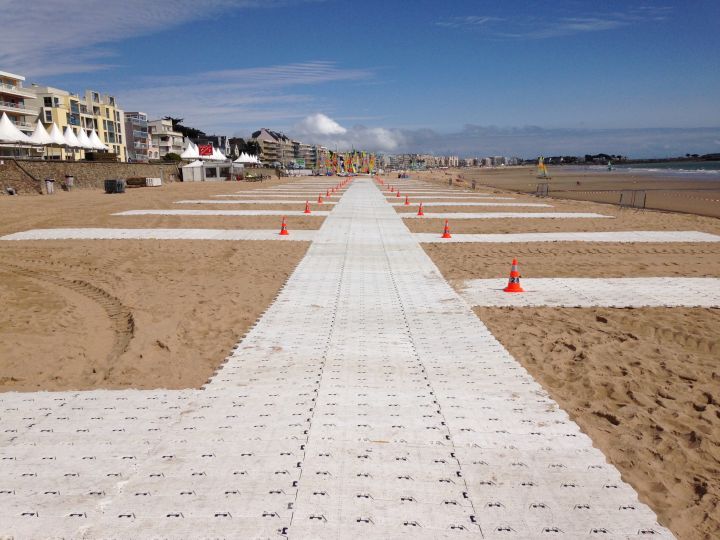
{"x": 548, "y": 26}
{"x": 320, "y": 125}
{"x": 321, "y": 129}
{"x": 53, "y": 37}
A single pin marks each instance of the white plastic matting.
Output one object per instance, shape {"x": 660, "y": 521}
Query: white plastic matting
{"x": 502, "y": 215}
{"x": 368, "y": 402}
{"x": 215, "y": 201}
{"x": 252, "y": 196}
{"x": 319, "y": 213}
{"x": 159, "y": 234}
{"x": 611, "y": 236}
{"x": 600, "y": 292}
{"x": 478, "y": 198}
{"x": 470, "y": 203}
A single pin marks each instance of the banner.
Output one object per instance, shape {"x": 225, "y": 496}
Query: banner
{"x": 205, "y": 149}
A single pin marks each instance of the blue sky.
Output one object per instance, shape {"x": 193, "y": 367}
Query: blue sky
{"x": 465, "y": 77}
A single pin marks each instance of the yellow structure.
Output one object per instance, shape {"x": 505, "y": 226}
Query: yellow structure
{"x": 94, "y": 111}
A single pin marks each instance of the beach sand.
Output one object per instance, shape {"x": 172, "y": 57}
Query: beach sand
{"x": 79, "y": 315}
{"x": 93, "y": 208}
{"x": 697, "y": 196}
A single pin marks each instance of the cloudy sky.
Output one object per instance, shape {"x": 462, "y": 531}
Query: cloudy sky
{"x": 467, "y": 77}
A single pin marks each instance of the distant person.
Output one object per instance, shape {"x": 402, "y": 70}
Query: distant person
{"x": 50, "y": 185}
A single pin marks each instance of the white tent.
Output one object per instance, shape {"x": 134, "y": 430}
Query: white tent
{"x": 247, "y": 159}
{"x": 193, "y": 172}
{"x": 96, "y": 142}
{"x": 40, "y": 135}
{"x": 70, "y": 138}
{"x": 9, "y": 133}
{"x": 56, "y": 136}
{"x": 218, "y": 155}
{"x": 84, "y": 140}
{"x": 191, "y": 152}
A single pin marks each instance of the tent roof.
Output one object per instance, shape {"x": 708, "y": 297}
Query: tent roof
{"x": 56, "y": 136}
{"x": 96, "y": 142}
{"x": 9, "y": 132}
{"x": 84, "y": 140}
{"x": 40, "y": 135}
{"x": 196, "y": 163}
{"x": 70, "y": 138}
{"x": 191, "y": 152}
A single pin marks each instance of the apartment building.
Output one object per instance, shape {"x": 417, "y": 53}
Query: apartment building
{"x": 109, "y": 120}
{"x": 90, "y": 112}
{"x": 275, "y": 147}
{"x": 136, "y": 136}
{"x": 163, "y": 139}
{"x": 304, "y": 155}
{"x": 18, "y": 103}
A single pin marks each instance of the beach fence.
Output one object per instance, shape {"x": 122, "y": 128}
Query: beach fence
{"x": 633, "y": 198}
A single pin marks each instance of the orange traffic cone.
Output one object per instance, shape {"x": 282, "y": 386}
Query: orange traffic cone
{"x": 397, "y": 193}
{"x": 392, "y": 189}
{"x": 307, "y": 208}
{"x": 420, "y": 211}
{"x": 327, "y": 193}
{"x": 514, "y": 282}
{"x": 407, "y": 201}
{"x": 446, "y": 231}
{"x": 320, "y": 201}
{"x": 283, "y": 228}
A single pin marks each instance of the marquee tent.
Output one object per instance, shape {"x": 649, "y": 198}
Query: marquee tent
{"x": 9, "y": 133}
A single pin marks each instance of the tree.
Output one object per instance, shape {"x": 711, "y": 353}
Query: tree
{"x": 252, "y": 147}
{"x": 172, "y": 156}
{"x": 189, "y": 132}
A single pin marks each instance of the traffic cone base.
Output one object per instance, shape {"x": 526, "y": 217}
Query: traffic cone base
{"x": 407, "y": 200}
{"x": 307, "y": 208}
{"x": 420, "y": 210}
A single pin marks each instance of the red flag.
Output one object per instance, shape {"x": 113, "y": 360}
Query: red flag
{"x": 205, "y": 149}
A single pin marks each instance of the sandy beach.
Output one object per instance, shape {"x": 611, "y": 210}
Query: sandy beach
{"x": 695, "y": 196}
{"x": 80, "y": 315}
{"x": 642, "y": 383}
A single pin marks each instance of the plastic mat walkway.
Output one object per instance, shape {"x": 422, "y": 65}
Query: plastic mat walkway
{"x": 368, "y": 401}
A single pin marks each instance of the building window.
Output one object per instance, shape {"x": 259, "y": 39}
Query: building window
{"x": 96, "y": 97}
{"x": 48, "y": 116}
{"x": 47, "y": 101}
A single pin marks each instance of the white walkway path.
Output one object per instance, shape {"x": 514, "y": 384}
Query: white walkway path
{"x": 368, "y": 402}
{"x": 589, "y": 292}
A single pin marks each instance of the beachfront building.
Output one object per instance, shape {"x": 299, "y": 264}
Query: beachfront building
{"x": 18, "y": 103}
{"x": 163, "y": 139}
{"x": 55, "y": 106}
{"x": 93, "y": 112}
{"x": 275, "y": 147}
{"x": 136, "y": 133}
{"x": 304, "y": 155}
{"x": 109, "y": 120}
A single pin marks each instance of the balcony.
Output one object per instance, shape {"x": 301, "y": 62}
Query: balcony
{"x": 16, "y": 108}
{"x": 15, "y": 91}
{"x": 140, "y": 145}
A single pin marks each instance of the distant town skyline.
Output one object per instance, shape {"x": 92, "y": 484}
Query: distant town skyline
{"x": 470, "y": 78}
